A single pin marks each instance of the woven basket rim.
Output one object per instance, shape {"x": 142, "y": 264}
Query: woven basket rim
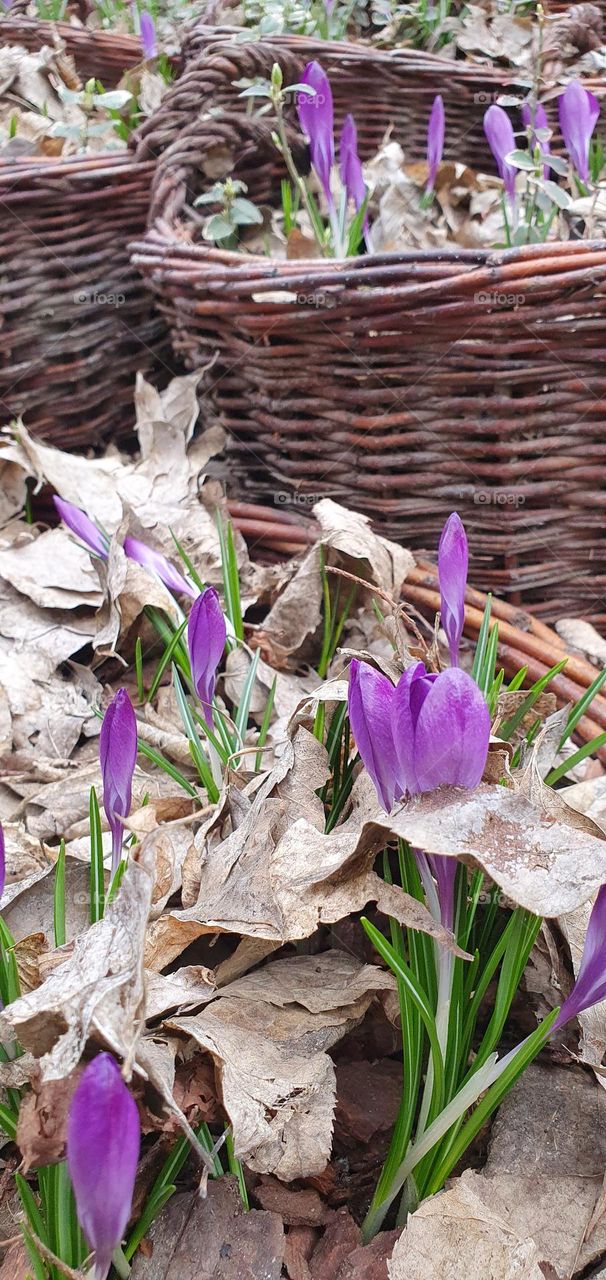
{"x": 70, "y": 31}
{"x": 161, "y": 239}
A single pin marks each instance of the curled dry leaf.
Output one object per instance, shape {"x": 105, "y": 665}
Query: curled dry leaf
{"x": 348, "y": 541}
{"x": 542, "y": 854}
{"x": 278, "y": 875}
{"x": 545, "y": 1168}
{"x": 100, "y": 985}
{"x": 459, "y": 1235}
{"x": 269, "y": 1033}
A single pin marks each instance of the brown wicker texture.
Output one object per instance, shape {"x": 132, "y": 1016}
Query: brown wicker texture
{"x": 404, "y": 385}
{"x": 104, "y": 55}
{"x": 76, "y": 319}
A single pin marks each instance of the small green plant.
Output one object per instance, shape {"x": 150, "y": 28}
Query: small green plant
{"x": 235, "y": 212}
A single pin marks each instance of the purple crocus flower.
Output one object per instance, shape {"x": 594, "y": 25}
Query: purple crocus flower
{"x": 370, "y": 701}
{"x": 79, "y": 523}
{"x": 83, "y": 527}
{"x": 590, "y": 986}
{"x": 103, "y": 1142}
{"x": 442, "y": 729}
{"x": 147, "y": 32}
{"x": 350, "y": 165}
{"x": 499, "y": 134}
{"x": 118, "y": 756}
{"x": 158, "y": 564}
{"x": 579, "y": 110}
{"x": 435, "y": 141}
{"x": 206, "y": 636}
{"x": 538, "y": 122}
{"x": 317, "y": 122}
{"x": 453, "y": 560}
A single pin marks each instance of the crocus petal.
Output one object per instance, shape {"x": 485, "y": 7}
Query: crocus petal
{"x": 103, "y": 1141}
{"x": 350, "y": 167}
{"x": 79, "y": 523}
{"x": 2, "y": 861}
{"x": 539, "y": 121}
{"x": 590, "y": 986}
{"x": 435, "y": 140}
{"x": 147, "y": 32}
{"x": 370, "y": 702}
{"x": 206, "y": 636}
{"x": 158, "y": 564}
{"x": 452, "y": 733}
{"x": 453, "y": 560}
{"x": 411, "y": 691}
{"x": 578, "y": 111}
{"x": 118, "y": 756}
{"x": 500, "y": 136}
{"x": 317, "y": 122}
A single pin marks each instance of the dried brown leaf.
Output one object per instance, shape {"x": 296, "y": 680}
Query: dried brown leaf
{"x": 459, "y": 1235}
{"x": 100, "y": 985}
{"x": 541, "y": 853}
{"x": 269, "y": 1033}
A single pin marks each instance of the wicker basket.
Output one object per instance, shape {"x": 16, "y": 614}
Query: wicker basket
{"x": 76, "y": 319}
{"x": 104, "y": 55}
{"x": 404, "y": 385}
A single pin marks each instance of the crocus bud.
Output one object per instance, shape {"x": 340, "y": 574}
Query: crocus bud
{"x": 452, "y": 573}
{"x": 206, "y": 636}
{"x": 159, "y": 565}
{"x": 317, "y": 122}
{"x": 538, "y": 121}
{"x": 118, "y": 756}
{"x": 435, "y": 141}
{"x": 499, "y": 133}
{"x": 579, "y": 111}
{"x": 590, "y": 986}
{"x": 103, "y": 1141}
{"x": 441, "y": 729}
{"x": 147, "y": 32}
{"x": 2, "y": 861}
{"x": 350, "y": 166}
{"x": 79, "y": 523}
{"x": 370, "y": 703}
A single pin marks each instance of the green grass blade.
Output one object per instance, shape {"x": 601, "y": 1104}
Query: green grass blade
{"x": 139, "y": 670}
{"x": 195, "y": 746}
{"x": 235, "y": 1167}
{"x": 191, "y": 569}
{"x": 577, "y": 758}
{"x": 509, "y": 726}
{"x": 582, "y": 706}
{"x": 59, "y": 898}
{"x": 477, "y": 670}
{"x": 168, "y": 767}
{"x": 241, "y": 717}
{"x": 265, "y": 723}
{"x": 167, "y": 657}
{"x": 97, "y": 879}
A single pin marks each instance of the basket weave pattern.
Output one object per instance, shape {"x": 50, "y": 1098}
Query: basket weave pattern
{"x": 76, "y": 317}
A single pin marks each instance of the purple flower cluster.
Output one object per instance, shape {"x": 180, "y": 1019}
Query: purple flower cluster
{"x": 84, "y": 528}
{"x": 578, "y": 114}
{"x": 316, "y": 117}
{"x": 431, "y": 729}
